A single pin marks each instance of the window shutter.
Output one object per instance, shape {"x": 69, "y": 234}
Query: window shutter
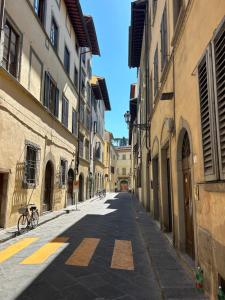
{"x": 207, "y": 121}
{"x": 46, "y": 90}
{"x": 56, "y": 110}
{"x": 219, "y": 67}
{"x": 66, "y": 112}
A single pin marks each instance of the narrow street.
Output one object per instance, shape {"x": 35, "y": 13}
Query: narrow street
{"x": 108, "y": 249}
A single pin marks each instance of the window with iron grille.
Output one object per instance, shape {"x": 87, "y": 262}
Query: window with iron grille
{"x": 74, "y": 122}
{"x": 54, "y": 34}
{"x": 156, "y": 72}
{"x": 212, "y": 107}
{"x": 177, "y": 6}
{"x": 164, "y": 44}
{"x": 11, "y": 49}
{"x": 63, "y": 171}
{"x": 65, "y": 111}
{"x": 81, "y": 145}
{"x": 51, "y": 95}
{"x": 76, "y": 77}
{"x": 67, "y": 60}
{"x": 154, "y": 8}
{"x": 32, "y": 163}
{"x": 87, "y": 150}
{"x": 39, "y": 8}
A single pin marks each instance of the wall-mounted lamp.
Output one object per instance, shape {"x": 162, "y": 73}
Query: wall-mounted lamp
{"x": 127, "y": 117}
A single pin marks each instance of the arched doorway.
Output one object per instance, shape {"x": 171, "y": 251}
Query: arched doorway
{"x": 48, "y": 192}
{"x": 124, "y": 185}
{"x": 81, "y": 188}
{"x": 70, "y": 187}
{"x": 187, "y": 196}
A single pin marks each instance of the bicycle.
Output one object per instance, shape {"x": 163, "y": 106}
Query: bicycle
{"x": 29, "y": 218}
{"x": 101, "y": 194}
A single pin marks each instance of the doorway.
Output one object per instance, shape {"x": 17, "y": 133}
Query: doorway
{"x": 156, "y": 188}
{"x": 70, "y": 187}
{"x": 81, "y": 188}
{"x": 187, "y": 193}
{"x": 48, "y": 193}
{"x": 3, "y": 197}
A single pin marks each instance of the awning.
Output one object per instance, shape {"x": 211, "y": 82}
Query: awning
{"x": 78, "y": 22}
{"x": 92, "y": 35}
{"x": 136, "y": 30}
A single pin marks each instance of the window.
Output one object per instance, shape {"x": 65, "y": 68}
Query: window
{"x": 65, "y": 111}
{"x": 54, "y": 34}
{"x": 81, "y": 145}
{"x": 83, "y": 56}
{"x": 177, "y": 5}
{"x": 76, "y": 77}
{"x": 112, "y": 170}
{"x": 39, "y": 8}
{"x": 87, "y": 150}
{"x": 154, "y": 9}
{"x": 63, "y": 172}
{"x": 156, "y": 72}
{"x": 124, "y": 171}
{"x": 82, "y": 112}
{"x": 124, "y": 157}
{"x": 83, "y": 85}
{"x": 67, "y": 60}
{"x": 212, "y": 107}
{"x": 31, "y": 165}
{"x": 74, "y": 122}
{"x": 51, "y": 95}
{"x": 11, "y": 49}
{"x": 77, "y": 47}
{"x": 164, "y": 47}
{"x": 95, "y": 127}
{"x": 98, "y": 150}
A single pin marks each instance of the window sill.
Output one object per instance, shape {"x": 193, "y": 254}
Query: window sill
{"x": 215, "y": 187}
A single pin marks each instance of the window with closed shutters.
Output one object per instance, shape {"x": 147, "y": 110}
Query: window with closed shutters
{"x": 164, "y": 44}
{"x": 219, "y": 68}
{"x": 65, "y": 111}
{"x": 156, "y": 72}
{"x": 51, "y": 95}
{"x": 206, "y": 109}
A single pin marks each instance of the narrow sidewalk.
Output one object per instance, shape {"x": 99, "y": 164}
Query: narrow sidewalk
{"x": 174, "y": 280}
{"x": 11, "y": 232}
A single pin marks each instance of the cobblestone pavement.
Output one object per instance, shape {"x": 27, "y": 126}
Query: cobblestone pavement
{"x": 109, "y": 249}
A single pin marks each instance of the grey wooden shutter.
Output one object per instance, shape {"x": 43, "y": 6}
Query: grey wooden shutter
{"x": 46, "y": 90}
{"x": 56, "y": 108}
{"x": 207, "y": 122}
{"x": 219, "y": 68}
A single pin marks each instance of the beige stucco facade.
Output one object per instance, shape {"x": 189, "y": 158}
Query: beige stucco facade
{"x": 26, "y": 122}
{"x": 174, "y": 187}
{"x": 123, "y": 168}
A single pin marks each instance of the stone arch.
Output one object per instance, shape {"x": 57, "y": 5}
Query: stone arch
{"x": 48, "y": 195}
{"x": 181, "y": 230}
{"x": 155, "y": 147}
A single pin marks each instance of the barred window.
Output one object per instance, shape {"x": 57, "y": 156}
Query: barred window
{"x": 32, "y": 162}
{"x": 63, "y": 171}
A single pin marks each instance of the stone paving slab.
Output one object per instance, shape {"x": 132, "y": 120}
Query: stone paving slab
{"x": 173, "y": 279}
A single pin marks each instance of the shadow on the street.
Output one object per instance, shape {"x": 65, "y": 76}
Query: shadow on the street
{"x": 98, "y": 280}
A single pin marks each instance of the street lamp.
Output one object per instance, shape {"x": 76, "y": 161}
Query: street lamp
{"x": 127, "y": 117}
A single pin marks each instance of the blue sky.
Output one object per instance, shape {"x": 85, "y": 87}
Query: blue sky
{"x": 112, "y": 18}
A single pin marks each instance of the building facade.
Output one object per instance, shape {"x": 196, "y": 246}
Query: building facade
{"x": 100, "y": 104}
{"x": 123, "y": 168}
{"x": 110, "y": 163}
{"x": 179, "y": 150}
{"x": 39, "y": 102}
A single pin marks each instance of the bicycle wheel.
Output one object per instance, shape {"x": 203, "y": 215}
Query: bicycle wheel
{"x": 22, "y": 224}
{"x": 34, "y": 219}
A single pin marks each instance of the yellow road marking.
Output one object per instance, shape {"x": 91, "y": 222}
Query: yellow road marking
{"x": 83, "y": 254}
{"x": 15, "y": 248}
{"x": 43, "y": 253}
{"x": 122, "y": 256}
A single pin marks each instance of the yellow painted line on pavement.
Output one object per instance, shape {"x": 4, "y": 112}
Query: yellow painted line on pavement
{"x": 15, "y": 248}
{"x": 43, "y": 253}
{"x": 122, "y": 256}
{"x": 82, "y": 255}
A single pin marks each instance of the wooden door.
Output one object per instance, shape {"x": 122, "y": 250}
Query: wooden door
{"x": 188, "y": 201}
{"x": 1, "y": 194}
{"x": 170, "y": 220}
{"x": 47, "y": 203}
{"x": 156, "y": 188}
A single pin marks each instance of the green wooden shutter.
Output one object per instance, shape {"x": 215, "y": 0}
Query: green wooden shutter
{"x": 219, "y": 68}
{"x": 207, "y": 120}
